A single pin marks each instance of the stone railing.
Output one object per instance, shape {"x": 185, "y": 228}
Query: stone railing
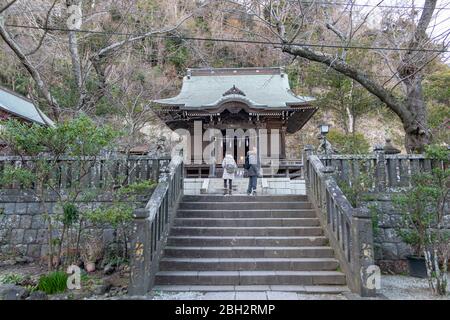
{"x": 90, "y": 172}
{"x": 151, "y": 228}
{"x": 388, "y": 171}
{"x": 348, "y": 229}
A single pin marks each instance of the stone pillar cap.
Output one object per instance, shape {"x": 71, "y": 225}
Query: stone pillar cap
{"x": 389, "y": 148}
{"x": 141, "y": 213}
{"x": 328, "y": 169}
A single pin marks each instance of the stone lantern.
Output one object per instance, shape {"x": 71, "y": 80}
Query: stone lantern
{"x": 389, "y": 148}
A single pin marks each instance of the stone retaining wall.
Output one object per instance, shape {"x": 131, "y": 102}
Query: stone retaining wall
{"x": 390, "y": 251}
{"x": 23, "y": 229}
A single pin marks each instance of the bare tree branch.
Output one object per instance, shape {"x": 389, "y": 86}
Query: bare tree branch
{"x": 41, "y": 85}
{"x": 41, "y": 41}
{"x": 352, "y": 72}
{"x": 117, "y": 45}
{"x": 9, "y": 4}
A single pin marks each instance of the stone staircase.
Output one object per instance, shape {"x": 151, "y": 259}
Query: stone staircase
{"x": 232, "y": 243}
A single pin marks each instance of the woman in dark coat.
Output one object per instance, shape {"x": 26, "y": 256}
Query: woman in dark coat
{"x": 252, "y": 171}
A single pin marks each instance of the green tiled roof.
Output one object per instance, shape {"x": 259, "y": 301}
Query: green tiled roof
{"x": 258, "y": 87}
{"x": 22, "y": 107}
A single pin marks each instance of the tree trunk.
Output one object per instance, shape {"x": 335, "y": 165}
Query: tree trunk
{"x": 75, "y": 57}
{"x": 411, "y": 109}
{"x": 32, "y": 70}
{"x": 417, "y": 135}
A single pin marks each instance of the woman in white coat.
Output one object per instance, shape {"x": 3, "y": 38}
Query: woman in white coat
{"x": 229, "y": 170}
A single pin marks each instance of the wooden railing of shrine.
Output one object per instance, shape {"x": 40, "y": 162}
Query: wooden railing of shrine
{"x": 151, "y": 227}
{"x": 283, "y": 168}
{"x": 348, "y": 229}
{"x": 89, "y": 172}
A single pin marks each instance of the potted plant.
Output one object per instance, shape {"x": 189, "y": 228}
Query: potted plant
{"x": 91, "y": 252}
{"x": 423, "y": 209}
{"x": 413, "y": 225}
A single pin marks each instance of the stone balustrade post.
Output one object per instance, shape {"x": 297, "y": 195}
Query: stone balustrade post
{"x": 140, "y": 254}
{"x": 366, "y": 273}
{"x": 380, "y": 169}
{"x": 308, "y": 150}
{"x": 327, "y": 173}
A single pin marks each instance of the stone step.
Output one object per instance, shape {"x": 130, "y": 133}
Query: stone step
{"x": 249, "y": 213}
{"x": 246, "y": 264}
{"x": 246, "y": 231}
{"x": 248, "y": 242}
{"x": 244, "y": 198}
{"x": 246, "y": 222}
{"x": 250, "y": 278}
{"x": 317, "y": 289}
{"x": 249, "y": 252}
{"x": 244, "y": 205}
{"x": 202, "y": 241}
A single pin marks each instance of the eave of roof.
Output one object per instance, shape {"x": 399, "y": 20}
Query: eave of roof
{"x": 21, "y": 107}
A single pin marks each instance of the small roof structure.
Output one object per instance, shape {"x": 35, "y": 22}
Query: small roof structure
{"x": 260, "y": 88}
{"x": 22, "y": 107}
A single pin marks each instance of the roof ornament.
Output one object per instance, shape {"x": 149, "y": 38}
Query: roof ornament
{"x": 234, "y": 90}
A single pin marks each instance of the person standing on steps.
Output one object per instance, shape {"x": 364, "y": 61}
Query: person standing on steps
{"x": 251, "y": 165}
{"x": 229, "y": 169}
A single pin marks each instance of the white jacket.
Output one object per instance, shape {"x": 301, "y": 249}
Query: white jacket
{"x": 226, "y": 161}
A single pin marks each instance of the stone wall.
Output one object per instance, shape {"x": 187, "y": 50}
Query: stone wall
{"x": 390, "y": 251}
{"x": 23, "y": 229}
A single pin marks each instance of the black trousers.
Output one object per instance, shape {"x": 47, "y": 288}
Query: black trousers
{"x": 252, "y": 183}
{"x": 230, "y": 183}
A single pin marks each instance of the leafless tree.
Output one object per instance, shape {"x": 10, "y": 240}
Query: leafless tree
{"x": 324, "y": 32}
{"x": 85, "y": 59}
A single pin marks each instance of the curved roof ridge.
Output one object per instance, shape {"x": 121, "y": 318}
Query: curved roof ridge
{"x": 234, "y": 97}
{"x": 262, "y": 87}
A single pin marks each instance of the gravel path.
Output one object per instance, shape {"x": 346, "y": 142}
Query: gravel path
{"x": 407, "y": 288}
{"x": 393, "y": 287}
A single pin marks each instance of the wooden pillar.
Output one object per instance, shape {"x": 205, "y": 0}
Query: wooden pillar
{"x": 283, "y": 142}
{"x": 258, "y": 126}
{"x": 258, "y": 148}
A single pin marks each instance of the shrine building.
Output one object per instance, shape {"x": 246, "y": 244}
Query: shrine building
{"x": 255, "y": 99}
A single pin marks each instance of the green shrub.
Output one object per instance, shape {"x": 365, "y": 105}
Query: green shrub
{"x": 422, "y": 224}
{"x": 11, "y": 278}
{"x": 70, "y": 214}
{"x": 137, "y": 188}
{"x": 356, "y": 188}
{"x": 176, "y": 53}
{"x": 54, "y": 282}
{"x": 437, "y": 152}
{"x": 375, "y": 217}
{"x": 354, "y": 143}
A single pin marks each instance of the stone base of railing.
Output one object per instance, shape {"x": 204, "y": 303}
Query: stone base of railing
{"x": 151, "y": 228}
{"x": 348, "y": 230}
